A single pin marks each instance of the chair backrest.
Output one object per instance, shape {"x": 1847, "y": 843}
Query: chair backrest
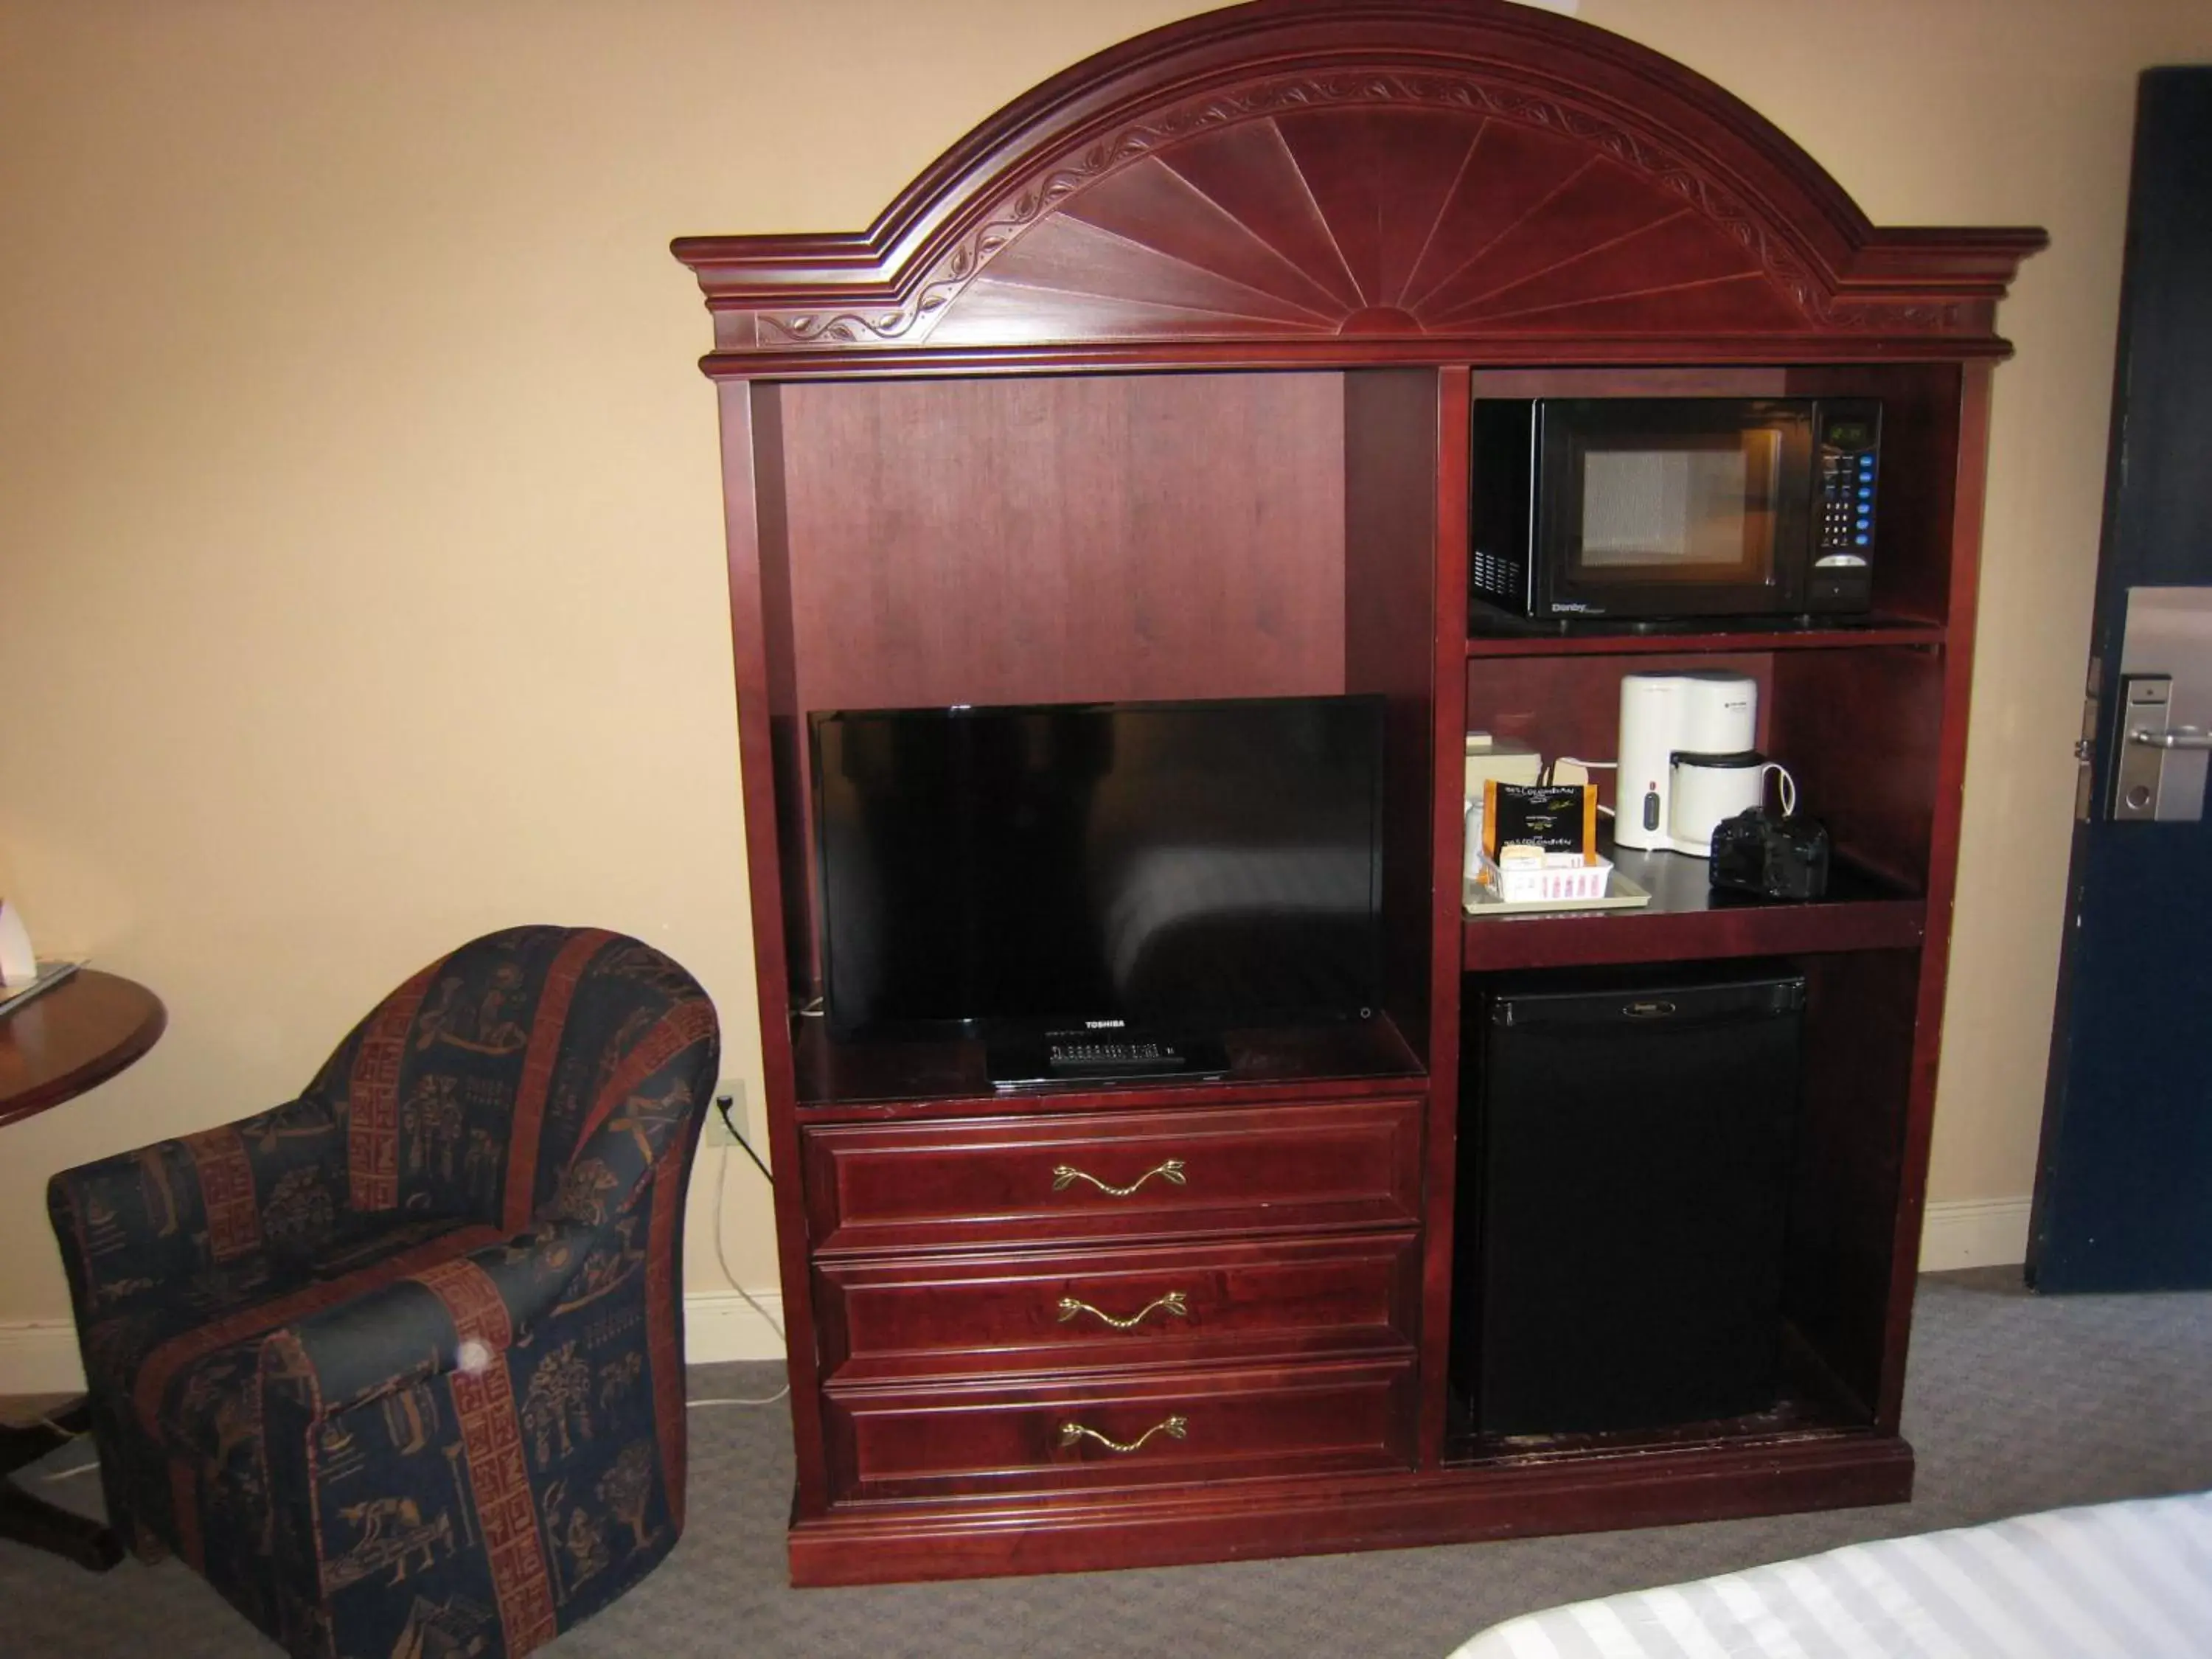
{"x": 469, "y": 1091}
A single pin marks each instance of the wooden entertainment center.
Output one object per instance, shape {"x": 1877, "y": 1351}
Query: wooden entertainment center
{"x": 1158, "y": 385}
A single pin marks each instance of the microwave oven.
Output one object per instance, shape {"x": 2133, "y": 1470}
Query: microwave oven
{"x": 1666, "y": 507}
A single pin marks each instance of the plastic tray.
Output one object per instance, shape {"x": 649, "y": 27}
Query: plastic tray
{"x": 1620, "y": 894}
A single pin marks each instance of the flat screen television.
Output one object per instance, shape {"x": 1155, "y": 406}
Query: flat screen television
{"x": 1017, "y": 874}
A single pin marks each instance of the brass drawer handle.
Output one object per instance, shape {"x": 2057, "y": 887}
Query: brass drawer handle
{"x": 1172, "y": 1303}
{"x": 1176, "y": 1428}
{"x": 1067, "y": 1175}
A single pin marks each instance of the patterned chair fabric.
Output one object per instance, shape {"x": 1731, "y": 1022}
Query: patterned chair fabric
{"x": 399, "y": 1366}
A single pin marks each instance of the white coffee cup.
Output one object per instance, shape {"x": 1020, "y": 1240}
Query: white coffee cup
{"x": 1702, "y": 789}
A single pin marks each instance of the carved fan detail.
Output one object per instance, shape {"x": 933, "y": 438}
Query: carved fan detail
{"x": 1322, "y": 221}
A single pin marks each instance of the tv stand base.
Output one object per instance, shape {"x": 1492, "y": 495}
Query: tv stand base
{"x": 882, "y": 1543}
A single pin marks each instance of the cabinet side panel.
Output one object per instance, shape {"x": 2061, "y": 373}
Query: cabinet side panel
{"x": 1966, "y": 501}
{"x": 1066, "y": 539}
{"x": 778, "y": 693}
{"x": 760, "y": 635}
{"x": 1851, "y": 1164}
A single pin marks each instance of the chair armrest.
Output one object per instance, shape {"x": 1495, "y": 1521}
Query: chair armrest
{"x": 464, "y": 1310}
{"x": 135, "y": 1224}
{"x": 408, "y": 1331}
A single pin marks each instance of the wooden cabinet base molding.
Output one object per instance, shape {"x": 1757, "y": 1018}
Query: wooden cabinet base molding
{"x": 871, "y": 1544}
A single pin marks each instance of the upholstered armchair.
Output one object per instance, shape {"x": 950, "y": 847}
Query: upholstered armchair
{"x": 399, "y": 1366}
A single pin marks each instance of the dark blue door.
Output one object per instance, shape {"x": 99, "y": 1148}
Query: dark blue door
{"x": 2124, "y": 1196}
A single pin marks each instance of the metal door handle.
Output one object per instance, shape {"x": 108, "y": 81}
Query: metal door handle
{"x": 1067, "y": 1175}
{"x": 2181, "y": 737}
{"x": 1176, "y": 1428}
{"x": 1172, "y": 1303}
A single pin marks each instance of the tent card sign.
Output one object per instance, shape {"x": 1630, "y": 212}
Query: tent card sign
{"x": 1558, "y": 818}
{"x": 18, "y": 965}
{"x": 22, "y": 976}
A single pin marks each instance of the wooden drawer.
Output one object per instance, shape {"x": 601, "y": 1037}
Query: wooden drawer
{"x": 946, "y": 1441}
{"x": 913, "y": 1318}
{"x": 1295, "y": 1168}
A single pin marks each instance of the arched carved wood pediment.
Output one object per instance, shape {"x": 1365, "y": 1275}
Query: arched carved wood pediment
{"x": 1423, "y": 178}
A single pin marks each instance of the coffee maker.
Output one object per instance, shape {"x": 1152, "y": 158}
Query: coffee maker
{"x": 1687, "y": 759}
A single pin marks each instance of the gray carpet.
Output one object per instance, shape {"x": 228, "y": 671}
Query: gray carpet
{"x": 2015, "y": 1403}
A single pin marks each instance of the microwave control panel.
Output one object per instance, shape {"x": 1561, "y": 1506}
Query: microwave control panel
{"x": 1848, "y": 460}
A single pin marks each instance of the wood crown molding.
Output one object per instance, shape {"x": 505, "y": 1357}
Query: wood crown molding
{"x": 1465, "y": 174}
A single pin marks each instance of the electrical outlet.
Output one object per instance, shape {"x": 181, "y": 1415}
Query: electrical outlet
{"x": 726, "y": 1124}
{"x": 730, "y": 1124}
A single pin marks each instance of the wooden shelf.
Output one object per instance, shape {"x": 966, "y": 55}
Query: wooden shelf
{"x": 1688, "y": 920}
{"x": 1332, "y": 1060}
{"x": 1626, "y": 640}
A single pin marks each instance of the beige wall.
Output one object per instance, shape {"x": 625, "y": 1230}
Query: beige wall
{"x": 360, "y": 568}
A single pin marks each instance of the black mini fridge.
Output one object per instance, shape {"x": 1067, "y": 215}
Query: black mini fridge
{"x": 1624, "y": 1169}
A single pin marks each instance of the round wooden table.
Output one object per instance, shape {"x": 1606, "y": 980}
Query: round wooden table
{"x": 52, "y": 1048}
{"x": 65, "y": 1041}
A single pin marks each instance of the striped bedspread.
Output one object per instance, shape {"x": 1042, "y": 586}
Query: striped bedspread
{"x": 2115, "y": 1580}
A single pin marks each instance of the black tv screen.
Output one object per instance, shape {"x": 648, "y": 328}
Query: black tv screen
{"x": 1187, "y": 866}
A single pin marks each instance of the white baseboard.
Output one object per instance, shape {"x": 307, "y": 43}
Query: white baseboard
{"x": 1974, "y": 1232}
{"x": 39, "y": 1356}
{"x": 720, "y": 1325}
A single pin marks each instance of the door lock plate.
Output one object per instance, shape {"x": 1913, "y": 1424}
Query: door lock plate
{"x": 2143, "y": 788}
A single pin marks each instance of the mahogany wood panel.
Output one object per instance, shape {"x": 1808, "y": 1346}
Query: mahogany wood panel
{"x": 1391, "y": 616}
{"x": 1687, "y": 921}
{"x": 1447, "y": 748}
{"x": 1964, "y": 543}
{"x": 760, "y": 653}
{"x": 1859, "y": 1044}
{"x": 1211, "y": 356}
{"x": 73, "y": 1038}
{"x": 1287, "y": 1169}
{"x": 1065, "y": 540}
{"x": 754, "y": 483}
{"x": 1695, "y": 380}
{"x": 910, "y": 1318}
{"x": 1242, "y": 1520}
{"x": 1627, "y": 640}
{"x": 1362, "y": 170}
{"x": 1860, "y": 732}
{"x": 995, "y": 1437}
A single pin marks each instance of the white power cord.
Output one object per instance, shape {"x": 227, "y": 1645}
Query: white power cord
{"x": 67, "y": 1435}
{"x": 721, "y": 1256}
